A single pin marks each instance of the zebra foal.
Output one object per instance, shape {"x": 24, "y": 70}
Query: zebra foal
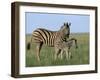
{"x": 65, "y": 47}
{"x": 50, "y": 38}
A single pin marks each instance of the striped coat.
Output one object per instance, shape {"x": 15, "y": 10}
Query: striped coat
{"x": 50, "y": 38}
{"x": 65, "y": 47}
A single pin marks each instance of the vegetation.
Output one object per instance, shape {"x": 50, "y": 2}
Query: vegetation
{"x": 79, "y": 56}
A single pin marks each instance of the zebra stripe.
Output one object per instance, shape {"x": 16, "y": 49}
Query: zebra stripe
{"x": 41, "y": 34}
{"x": 51, "y": 38}
{"x": 47, "y": 37}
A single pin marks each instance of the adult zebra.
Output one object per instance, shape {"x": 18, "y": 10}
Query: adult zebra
{"x": 50, "y": 38}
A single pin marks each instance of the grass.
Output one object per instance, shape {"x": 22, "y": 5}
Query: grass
{"x": 79, "y": 56}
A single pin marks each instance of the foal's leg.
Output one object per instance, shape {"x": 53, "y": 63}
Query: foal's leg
{"x": 69, "y": 54}
{"x": 66, "y": 52}
{"x": 57, "y": 51}
{"x": 61, "y": 54}
{"x": 38, "y": 48}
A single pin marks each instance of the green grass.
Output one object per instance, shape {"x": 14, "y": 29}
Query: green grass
{"x": 79, "y": 56}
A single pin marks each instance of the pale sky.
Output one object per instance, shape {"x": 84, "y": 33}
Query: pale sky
{"x": 50, "y": 21}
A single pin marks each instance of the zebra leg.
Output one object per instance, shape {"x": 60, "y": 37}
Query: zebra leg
{"x": 69, "y": 54}
{"x": 66, "y": 52}
{"x": 61, "y": 54}
{"x": 57, "y": 51}
{"x": 38, "y": 48}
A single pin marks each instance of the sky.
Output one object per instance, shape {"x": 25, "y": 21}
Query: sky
{"x": 51, "y": 21}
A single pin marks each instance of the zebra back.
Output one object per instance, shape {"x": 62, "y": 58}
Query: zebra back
{"x": 45, "y": 36}
{"x": 50, "y": 38}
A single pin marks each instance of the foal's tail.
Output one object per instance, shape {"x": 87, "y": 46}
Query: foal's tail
{"x": 75, "y": 42}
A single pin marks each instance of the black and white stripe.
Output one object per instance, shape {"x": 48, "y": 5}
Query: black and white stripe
{"x": 50, "y": 38}
{"x": 65, "y": 47}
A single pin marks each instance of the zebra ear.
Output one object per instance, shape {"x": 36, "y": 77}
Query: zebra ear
{"x": 69, "y": 24}
{"x": 64, "y": 24}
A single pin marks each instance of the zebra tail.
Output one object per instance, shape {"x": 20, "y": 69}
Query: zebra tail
{"x": 28, "y": 46}
{"x": 76, "y": 43}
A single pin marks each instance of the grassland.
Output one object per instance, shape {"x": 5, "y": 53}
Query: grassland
{"x": 79, "y": 56}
